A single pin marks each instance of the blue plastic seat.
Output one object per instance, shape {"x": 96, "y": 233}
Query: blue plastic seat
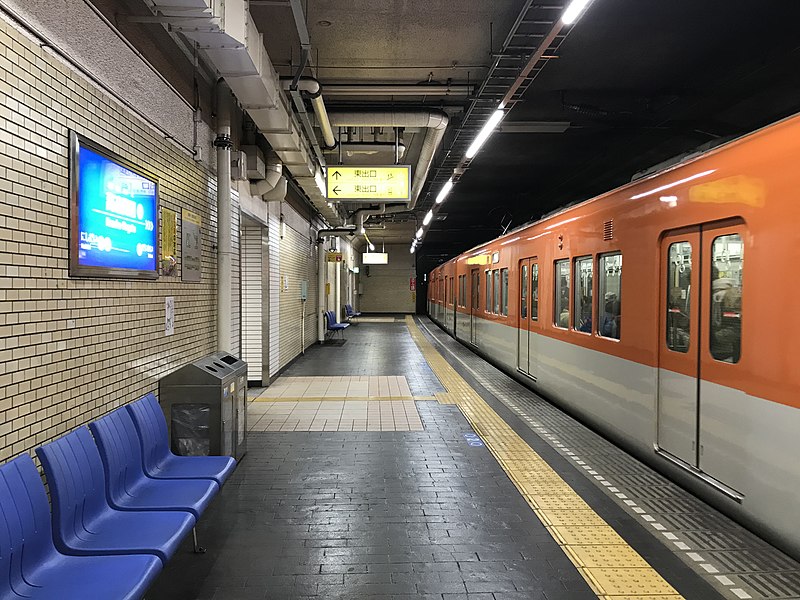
{"x": 83, "y": 521}
{"x": 127, "y": 487}
{"x": 157, "y": 459}
{"x": 30, "y": 565}
{"x": 348, "y": 309}
{"x": 333, "y": 326}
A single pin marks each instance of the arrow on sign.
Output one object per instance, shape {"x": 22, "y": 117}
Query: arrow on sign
{"x": 337, "y": 175}
{"x": 336, "y": 190}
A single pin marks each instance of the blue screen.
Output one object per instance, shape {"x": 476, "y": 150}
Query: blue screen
{"x": 116, "y": 215}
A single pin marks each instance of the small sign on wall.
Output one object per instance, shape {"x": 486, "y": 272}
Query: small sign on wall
{"x": 412, "y": 284}
{"x": 169, "y": 316}
{"x": 191, "y": 252}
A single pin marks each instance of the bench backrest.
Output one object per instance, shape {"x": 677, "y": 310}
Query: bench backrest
{"x": 77, "y": 483}
{"x": 151, "y": 426}
{"x": 26, "y": 539}
{"x": 118, "y": 442}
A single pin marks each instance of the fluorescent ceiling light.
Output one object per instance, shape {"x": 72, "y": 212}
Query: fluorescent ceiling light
{"x": 444, "y": 191}
{"x": 319, "y": 178}
{"x": 413, "y": 247}
{"x": 672, "y": 185}
{"x": 574, "y": 10}
{"x": 420, "y": 231}
{"x": 484, "y": 134}
{"x": 375, "y": 258}
{"x": 427, "y": 218}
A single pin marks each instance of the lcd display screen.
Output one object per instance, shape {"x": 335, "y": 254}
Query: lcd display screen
{"x": 113, "y": 215}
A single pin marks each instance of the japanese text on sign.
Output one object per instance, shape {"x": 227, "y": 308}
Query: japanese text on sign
{"x": 368, "y": 182}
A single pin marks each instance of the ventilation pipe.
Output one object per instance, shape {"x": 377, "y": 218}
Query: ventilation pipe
{"x": 434, "y": 121}
{"x": 224, "y": 225}
{"x": 312, "y": 89}
{"x": 274, "y": 185}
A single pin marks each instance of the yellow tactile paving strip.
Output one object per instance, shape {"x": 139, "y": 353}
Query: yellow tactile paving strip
{"x": 609, "y": 565}
{"x": 340, "y": 386}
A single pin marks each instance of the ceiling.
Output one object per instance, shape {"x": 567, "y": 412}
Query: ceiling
{"x": 634, "y": 83}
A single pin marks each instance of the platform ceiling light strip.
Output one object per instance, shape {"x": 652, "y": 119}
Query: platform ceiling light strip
{"x": 485, "y": 132}
{"x": 420, "y": 231}
{"x": 428, "y": 217}
{"x": 672, "y": 185}
{"x": 444, "y": 191}
{"x": 574, "y": 10}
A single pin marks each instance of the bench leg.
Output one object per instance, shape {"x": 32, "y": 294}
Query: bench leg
{"x": 197, "y": 548}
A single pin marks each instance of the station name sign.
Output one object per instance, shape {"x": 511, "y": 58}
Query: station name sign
{"x": 368, "y": 183}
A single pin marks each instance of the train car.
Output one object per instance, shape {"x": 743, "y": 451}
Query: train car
{"x": 662, "y": 314}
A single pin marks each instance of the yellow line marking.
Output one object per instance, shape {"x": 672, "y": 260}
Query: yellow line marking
{"x": 344, "y": 399}
{"x": 609, "y": 565}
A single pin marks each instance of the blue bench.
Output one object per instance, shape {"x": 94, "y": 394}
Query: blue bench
{"x": 350, "y": 313}
{"x": 128, "y": 487}
{"x": 31, "y": 566}
{"x": 158, "y": 460}
{"x": 83, "y": 520}
{"x": 333, "y": 326}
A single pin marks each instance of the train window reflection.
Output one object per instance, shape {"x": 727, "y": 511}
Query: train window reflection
{"x": 679, "y": 289}
{"x": 504, "y": 292}
{"x": 523, "y": 290}
{"x": 496, "y": 303}
{"x": 561, "y": 303}
{"x": 727, "y": 259}
{"x": 609, "y": 301}
{"x": 535, "y": 292}
{"x": 583, "y": 294}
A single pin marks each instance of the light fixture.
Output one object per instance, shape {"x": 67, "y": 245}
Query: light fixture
{"x": 428, "y": 217}
{"x": 485, "y": 132}
{"x": 319, "y": 179}
{"x": 420, "y": 231}
{"x": 413, "y": 247}
{"x": 371, "y": 247}
{"x": 444, "y": 191}
{"x": 574, "y": 10}
{"x": 363, "y": 230}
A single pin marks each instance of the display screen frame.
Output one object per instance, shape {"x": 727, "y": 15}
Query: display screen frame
{"x": 76, "y": 142}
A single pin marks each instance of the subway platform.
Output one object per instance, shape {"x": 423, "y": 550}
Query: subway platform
{"x": 402, "y": 466}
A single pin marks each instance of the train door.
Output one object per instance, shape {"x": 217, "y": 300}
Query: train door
{"x": 678, "y": 367}
{"x": 528, "y": 314}
{"x": 473, "y": 311}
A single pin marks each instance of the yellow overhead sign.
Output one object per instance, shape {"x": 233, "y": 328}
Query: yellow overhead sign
{"x": 369, "y": 183}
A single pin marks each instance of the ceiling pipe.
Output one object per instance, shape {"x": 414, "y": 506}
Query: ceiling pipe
{"x": 336, "y": 232}
{"x": 398, "y": 90}
{"x": 435, "y": 121}
{"x": 312, "y": 89}
{"x": 274, "y": 169}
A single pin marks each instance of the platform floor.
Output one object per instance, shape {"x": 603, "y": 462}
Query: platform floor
{"x": 533, "y": 505}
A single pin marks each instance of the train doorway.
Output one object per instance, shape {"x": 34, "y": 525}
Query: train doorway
{"x": 528, "y": 315}
{"x": 700, "y": 336}
{"x": 475, "y": 292}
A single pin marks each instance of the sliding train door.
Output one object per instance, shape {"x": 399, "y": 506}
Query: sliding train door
{"x": 527, "y": 312}
{"x": 678, "y": 368}
{"x": 475, "y": 294}
{"x": 701, "y": 314}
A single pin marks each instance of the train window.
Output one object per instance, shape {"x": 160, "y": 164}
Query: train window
{"x": 727, "y": 259}
{"x": 561, "y": 300}
{"x": 582, "y": 308}
{"x": 523, "y": 291}
{"x": 464, "y": 291}
{"x": 496, "y": 297}
{"x": 450, "y": 291}
{"x": 535, "y": 292}
{"x": 679, "y": 287}
{"x": 488, "y": 306}
{"x": 504, "y": 292}
{"x": 609, "y": 297}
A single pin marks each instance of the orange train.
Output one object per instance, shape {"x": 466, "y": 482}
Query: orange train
{"x": 662, "y": 313}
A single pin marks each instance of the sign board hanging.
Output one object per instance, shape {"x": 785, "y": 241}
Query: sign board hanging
{"x": 191, "y": 251}
{"x": 369, "y": 183}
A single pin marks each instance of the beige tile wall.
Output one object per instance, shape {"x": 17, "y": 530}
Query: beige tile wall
{"x": 71, "y": 349}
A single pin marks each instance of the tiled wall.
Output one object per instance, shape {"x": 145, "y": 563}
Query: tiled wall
{"x": 387, "y": 287}
{"x": 73, "y": 349}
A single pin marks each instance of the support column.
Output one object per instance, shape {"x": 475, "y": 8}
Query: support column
{"x": 321, "y": 267}
{"x": 224, "y": 253}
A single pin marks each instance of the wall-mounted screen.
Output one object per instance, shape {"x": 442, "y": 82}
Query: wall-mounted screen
{"x": 113, "y": 215}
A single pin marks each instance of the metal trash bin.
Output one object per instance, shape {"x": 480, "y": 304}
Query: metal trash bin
{"x": 205, "y": 404}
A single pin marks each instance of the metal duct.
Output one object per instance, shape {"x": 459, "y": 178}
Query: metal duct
{"x": 234, "y": 46}
{"x": 274, "y": 169}
{"x": 413, "y": 89}
{"x": 434, "y": 121}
